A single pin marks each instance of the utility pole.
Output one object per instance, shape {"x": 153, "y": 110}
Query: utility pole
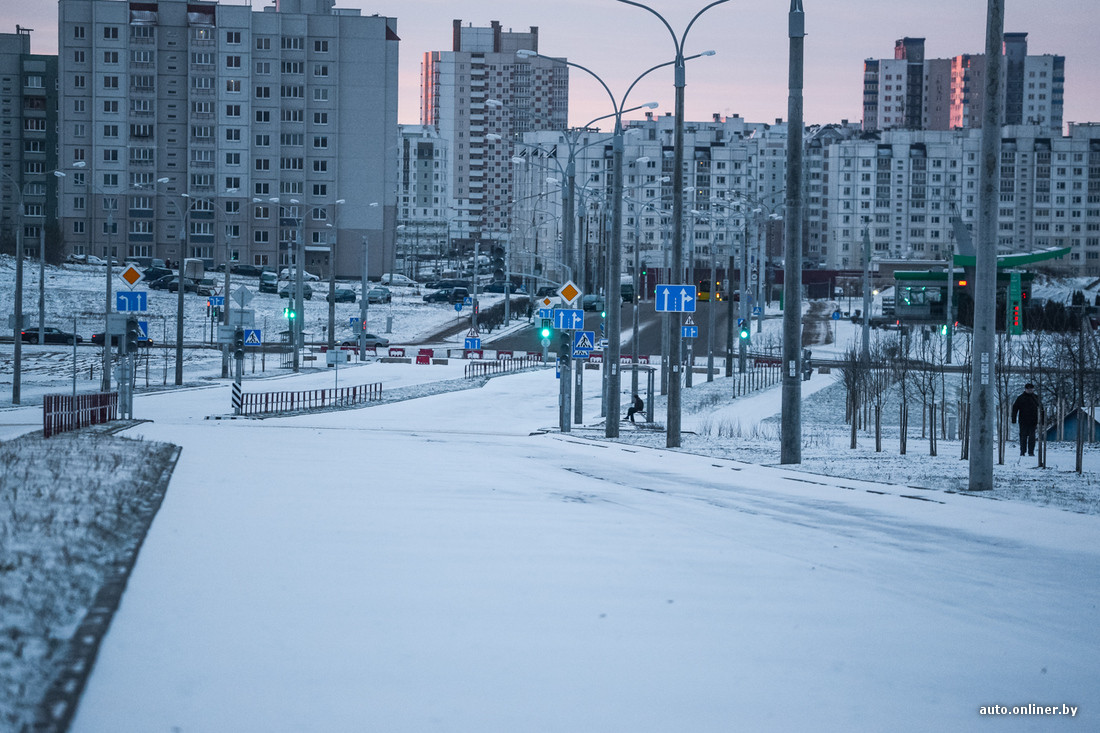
{"x": 983, "y": 382}
{"x": 791, "y": 416}
{"x": 866, "y": 352}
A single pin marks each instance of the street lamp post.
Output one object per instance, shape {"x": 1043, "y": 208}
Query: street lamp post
{"x": 332, "y": 274}
{"x": 364, "y": 304}
{"x": 299, "y": 286}
{"x": 17, "y": 343}
{"x": 672, "y": 437}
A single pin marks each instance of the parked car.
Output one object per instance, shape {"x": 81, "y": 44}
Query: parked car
{"x": 443, "y": 295}
{"x": 269, "y": 283}
{"x": 593, "y": 302}
{"x": 161, "y": 283}
{"x": 499, "y": 286}
{"x": 50, "y": 334}
{"x": 289, "y": 273}
{"x": 206, "y": 286}
{"x": 189, "y": 285}
{"x": 449, "y": 283}
{"x": 547, "y": 291}
{"x": 458, "y": 295}
{"x": 379, "y": 294}
{"x": 343, "y": 295}
{"x": 154, "y": 273}
{"x": 250, "y": 270}
{"x": 85, "y": 260}
{"x": 287, "y": 291}
{"x": 372, "y": 341}
{"x": 97, "y": 339}
{"x": 397, "y": 280}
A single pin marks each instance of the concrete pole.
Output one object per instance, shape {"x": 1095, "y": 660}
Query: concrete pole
{"x": 363, "y": 305}
{"x": 865, "y": 355}
{"x": 983, "y": 381}
{"x": 299, "y": 294}
{"x": 16, "y": 384}
{"x": 106, "y": 381}
{"x": 791, "y": 412}
{"x": 42, "y": 284}
{"x": 613, "y": 299}
{"x": 672, "y": 435}
{"x": 179, "y": 298}
{"x": 712, "y": 309}
{"x": 742, "y": 347}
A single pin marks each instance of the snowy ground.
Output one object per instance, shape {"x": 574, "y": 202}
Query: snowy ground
{"x": 454, "y": 563}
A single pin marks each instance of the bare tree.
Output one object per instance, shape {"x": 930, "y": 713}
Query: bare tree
{"x": 853, "y": 374}
{"x": 879, "y": 380}
{"x": 1005, "y": 356}
{"x": 932, "y": 354}
{"x": 902, "y": 368}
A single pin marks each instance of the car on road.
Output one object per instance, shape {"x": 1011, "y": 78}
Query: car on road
{"x": 97, "y": 339}
{"x": 593, "y": 302}
{"x": 155, "y": 273}
{"x": 269, "y": 283}
{"x": 372, "y": 341}
{"x": 250, "y": 270}
{"x": 397, "y": 280}
{"x": 161, "y": 283}
{"x": 443, "y": 295}
{"x": 343, "y": 295}
{"x": 50, "y": 335}
{"x": 499, "y": 286}
{"x": 379, "y": 294}
{"x": 206, "y": 286}
{"x": 547, "y": 291}
{"x": 307, "y": 291}
{"x": 448, "y": 283}
{"x": 189, "y": 285}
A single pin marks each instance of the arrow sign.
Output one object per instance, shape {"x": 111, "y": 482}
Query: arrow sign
{"x": 134, "y": 300}
{"x": 472, "y": 343}
{"x": 216, "y": 300}
{"x": 253, "y": 337}
{"x": 689, "y": 332}
{"x": 569, "y": 319}
{"x": 675, "y": 298}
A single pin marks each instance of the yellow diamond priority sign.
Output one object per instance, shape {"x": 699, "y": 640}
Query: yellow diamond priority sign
{"x": 131, "y": 275}
{"x": 569, "y": 292}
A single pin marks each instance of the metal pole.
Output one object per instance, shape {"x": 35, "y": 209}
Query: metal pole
{"x": 743, "y": 302}
{"x": 672, "y": 436}
{"x": 983, "y": 382}
{"x": 299, "y": 292}
{"x": 638, "y": 285}
{"x": 614, "y": 300}
{"x": 950, "y": 307}
{"x": 791, "y": 415}
{"x": 42, "y": 284}
{"x": 16, "y": 385}
{"x": 363, "y": 306}
{"x": 225, "y": 295}
{"x": 107, "y": 309}
{"x": 729, "y": 308}
{"x": 578, "y": 393}
{"x": 179, "y": 302}
{"x": 712, "y": 311}
{"x": 866, "y": 353}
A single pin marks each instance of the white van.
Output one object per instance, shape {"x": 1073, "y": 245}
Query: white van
{"x": 398, "y": 281}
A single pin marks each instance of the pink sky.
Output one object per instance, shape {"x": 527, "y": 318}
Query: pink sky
{"x": 748, "y": 76}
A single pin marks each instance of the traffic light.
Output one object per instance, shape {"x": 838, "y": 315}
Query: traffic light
{"x": 743, "y": 330}
{"x": 290, "y": 313}
{"x": 238, "y": 343}
{"x": 133, "y": 335}
{"x": 545, "y": 331}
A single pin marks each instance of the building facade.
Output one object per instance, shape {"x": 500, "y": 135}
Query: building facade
{"x": 479, "y": 96}
{"x": 28, "y": 155}
{"x": 910, "y": 92}
{"x": 204, "y": 130}
{"x": 424, "y": 216}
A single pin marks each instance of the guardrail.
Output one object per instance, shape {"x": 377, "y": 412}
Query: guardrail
{"x": 501, "y": 366}
{"x": 61, "y": 412}
{"x": 266, "y": 403}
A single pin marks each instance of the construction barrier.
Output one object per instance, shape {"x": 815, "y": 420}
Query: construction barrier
{"x": 501, "y": 366}
{"x": 61, "y": 413}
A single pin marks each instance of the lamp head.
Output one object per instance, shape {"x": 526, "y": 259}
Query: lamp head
{"x": 710, "y": 52}
{"x": 525, "y": 53}
{"x": 79, "y": 164}
{"x": 59, "y": 174}
{"x": 166, "y": 179}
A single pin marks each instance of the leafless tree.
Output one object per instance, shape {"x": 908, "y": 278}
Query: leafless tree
{"x": 879, "y": 380}
{"x": 902, "y": 373}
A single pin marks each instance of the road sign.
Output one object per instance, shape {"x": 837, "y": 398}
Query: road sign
{"x": 132, "y": 301}
{"x": 458, "y": 307}
{"x": 546, "y": 313}
{"x": 226, "y": 333}
{"x": 468, "y": 300}
{"x": 242, "y": 317}
{"x": 143, "y": 330}
{"x": 242, "y": 296}
{"x": 216, "y": 300}
{"x": 836, "y": 315}
{"x": 675, "y": 298}
{"x": 473, "y": 333}
{"x": 583, "y": 342}
{"x": 131, "y": 275}
{"x": 569, "y": 292}
{"x": 472, "y": 343}
{"x": 603, "y": 343}
{"x": 756, "y": 310}
{"x": 253, "y": 337}
{"x": 570, "y": 319}
{"x": 548, "y": 302}
{"x": 689, "y": 332}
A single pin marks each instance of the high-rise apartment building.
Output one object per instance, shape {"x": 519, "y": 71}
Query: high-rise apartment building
{"x": 423, "y": 201}
{"x": 479, "y": 96}
{"x": 199, "y": 129}
{"x": 28, "y": 129}
{"x": 910, "y": 92}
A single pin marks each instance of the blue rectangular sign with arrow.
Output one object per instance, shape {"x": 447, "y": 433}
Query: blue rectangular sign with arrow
{"x": 131, "y": 301}
{"x": 675, "y": 298}
{"x": 569, "y": 319}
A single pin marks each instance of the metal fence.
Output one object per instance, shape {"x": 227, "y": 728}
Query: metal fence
{"x": 261, "y": 403}
{"x": 501, "y": 366}
{"x": 62, "y": 412}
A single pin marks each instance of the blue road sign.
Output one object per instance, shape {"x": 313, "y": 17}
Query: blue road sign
{"x": 836, "y": 315}
{"x": 353, "y": 322}
{"x": 458, "y": 307}
{"x": 472, "y": 343}
{"x": 216, "y": 300}
{"x": 583, "y": 342}
{"x": 675, "y": 298}
{"x": 569, "y": 319}
{"x": 253, "y": 337}
{"x": 468, "y": 300}
{"x": 756, "y": 310}
{"x": 143, "y": 330}
{"x": 131, "y": 301}
{"x": 546, "y": 312}
{"x": 689, "y": 332}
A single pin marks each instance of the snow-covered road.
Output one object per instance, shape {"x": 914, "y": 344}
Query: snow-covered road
{"x": 440, "y": 564}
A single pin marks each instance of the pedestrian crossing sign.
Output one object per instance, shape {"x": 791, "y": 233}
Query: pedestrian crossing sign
{"x": 583, "y": 342}
{"x": 252, "y": 337}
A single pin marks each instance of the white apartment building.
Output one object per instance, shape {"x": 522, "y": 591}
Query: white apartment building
{"x": 199, "y": 129}
{"x": 424, "y": 216}
{"x": 479, "y": 96}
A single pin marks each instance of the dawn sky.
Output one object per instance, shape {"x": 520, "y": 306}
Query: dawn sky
{"x": 748, "y": 76}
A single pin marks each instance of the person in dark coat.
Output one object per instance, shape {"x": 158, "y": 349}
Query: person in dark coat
{"x": 635, "y": 406}
{"x": 1027, "y": 409}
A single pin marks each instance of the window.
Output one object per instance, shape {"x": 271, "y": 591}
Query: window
{"x": 78, "y": 81}
{"x": 320, "y": 46}
{"x": 78, "y": 31}
{"x": 263, "y": 189}
{"x": 292, "y": 91}
{"x": 110, "y": 32}
{"x": 233, "y": 86}
{"x": 263, "y": 115}
{"x": 263, "y": 92}
{"x": 263, "y": 164}
{"x": 110, "y": 131}
{"x": 320, "y": 95}
{"x": 110, "y": 57}
{"x": 320, "y": 69}
{"x": 110, "y": 106}
{"x": 263, "y": 141}
{"x": 202, "y": 82}
{"x": 291, "y": 164}
{"x": 233, "y": 37}
{"x": 109, "y": 179}
{"x": 292, "y": 67}
{"x": 263, "y": 67}
{"x": 232, "y": 182}
{"x": 320, "y": 189}
{"x": 202, "y": 108}
{"x": 233, "y": 62}
{"x": 261, "y": 237}
{"x": 320, "y": 166}
{"x": 232, "y": 134}
{"x": 291, "y": 138}
{"x": 78, "y": 107}
{"x": 320, "y": 142}
{"x": 232, "y": 158}
{"x": 232, "y": 110}
{"x": 293, "y": 44}
{"x": 320, "y": 118}
{"x": 262, "y": 212}
{"x": 110, "y": 82}
{"x": 263, "y": 44}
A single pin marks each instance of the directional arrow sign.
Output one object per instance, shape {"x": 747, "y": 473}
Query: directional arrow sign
{"x": 134, "y": 300}
{"x": 689, "y": 332}
{"x": 570, "y": 319}
{"x": 472, "y": 343}
{"x": 216, "y": 300}
{"x": 675, "y": 298}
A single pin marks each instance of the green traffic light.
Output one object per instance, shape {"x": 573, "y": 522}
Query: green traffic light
{"x": 744, "y": 333}
{"x": 545, "y": 333}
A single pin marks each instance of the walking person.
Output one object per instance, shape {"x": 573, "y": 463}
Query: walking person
{"x": 1027, "y": 410}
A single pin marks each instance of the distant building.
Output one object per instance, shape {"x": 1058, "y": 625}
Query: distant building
{"x": 28, "y": 156}
{"x": 261, "y": 122}
{"x": 911, "y": 92}
{"x": 475, "y": 92}
{"x": 423, "y": 201}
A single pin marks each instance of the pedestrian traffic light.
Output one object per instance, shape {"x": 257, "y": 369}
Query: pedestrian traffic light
{"x": 133, "y": 335}
{"x": 289, "y": 313}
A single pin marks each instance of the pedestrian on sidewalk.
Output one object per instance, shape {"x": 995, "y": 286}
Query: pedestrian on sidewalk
{"x": 1027, "y": 409}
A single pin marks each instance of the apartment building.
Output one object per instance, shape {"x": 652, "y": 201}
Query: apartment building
{"x": 424, "y": 216}
{"x": 479, "y": 96}
{"x": 28, "y": 144}
{"x": 207, "y": 130}
{"x": 911, "y": 92}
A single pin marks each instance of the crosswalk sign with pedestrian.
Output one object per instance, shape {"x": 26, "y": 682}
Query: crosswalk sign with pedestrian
{"x": 252, "y": 337}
